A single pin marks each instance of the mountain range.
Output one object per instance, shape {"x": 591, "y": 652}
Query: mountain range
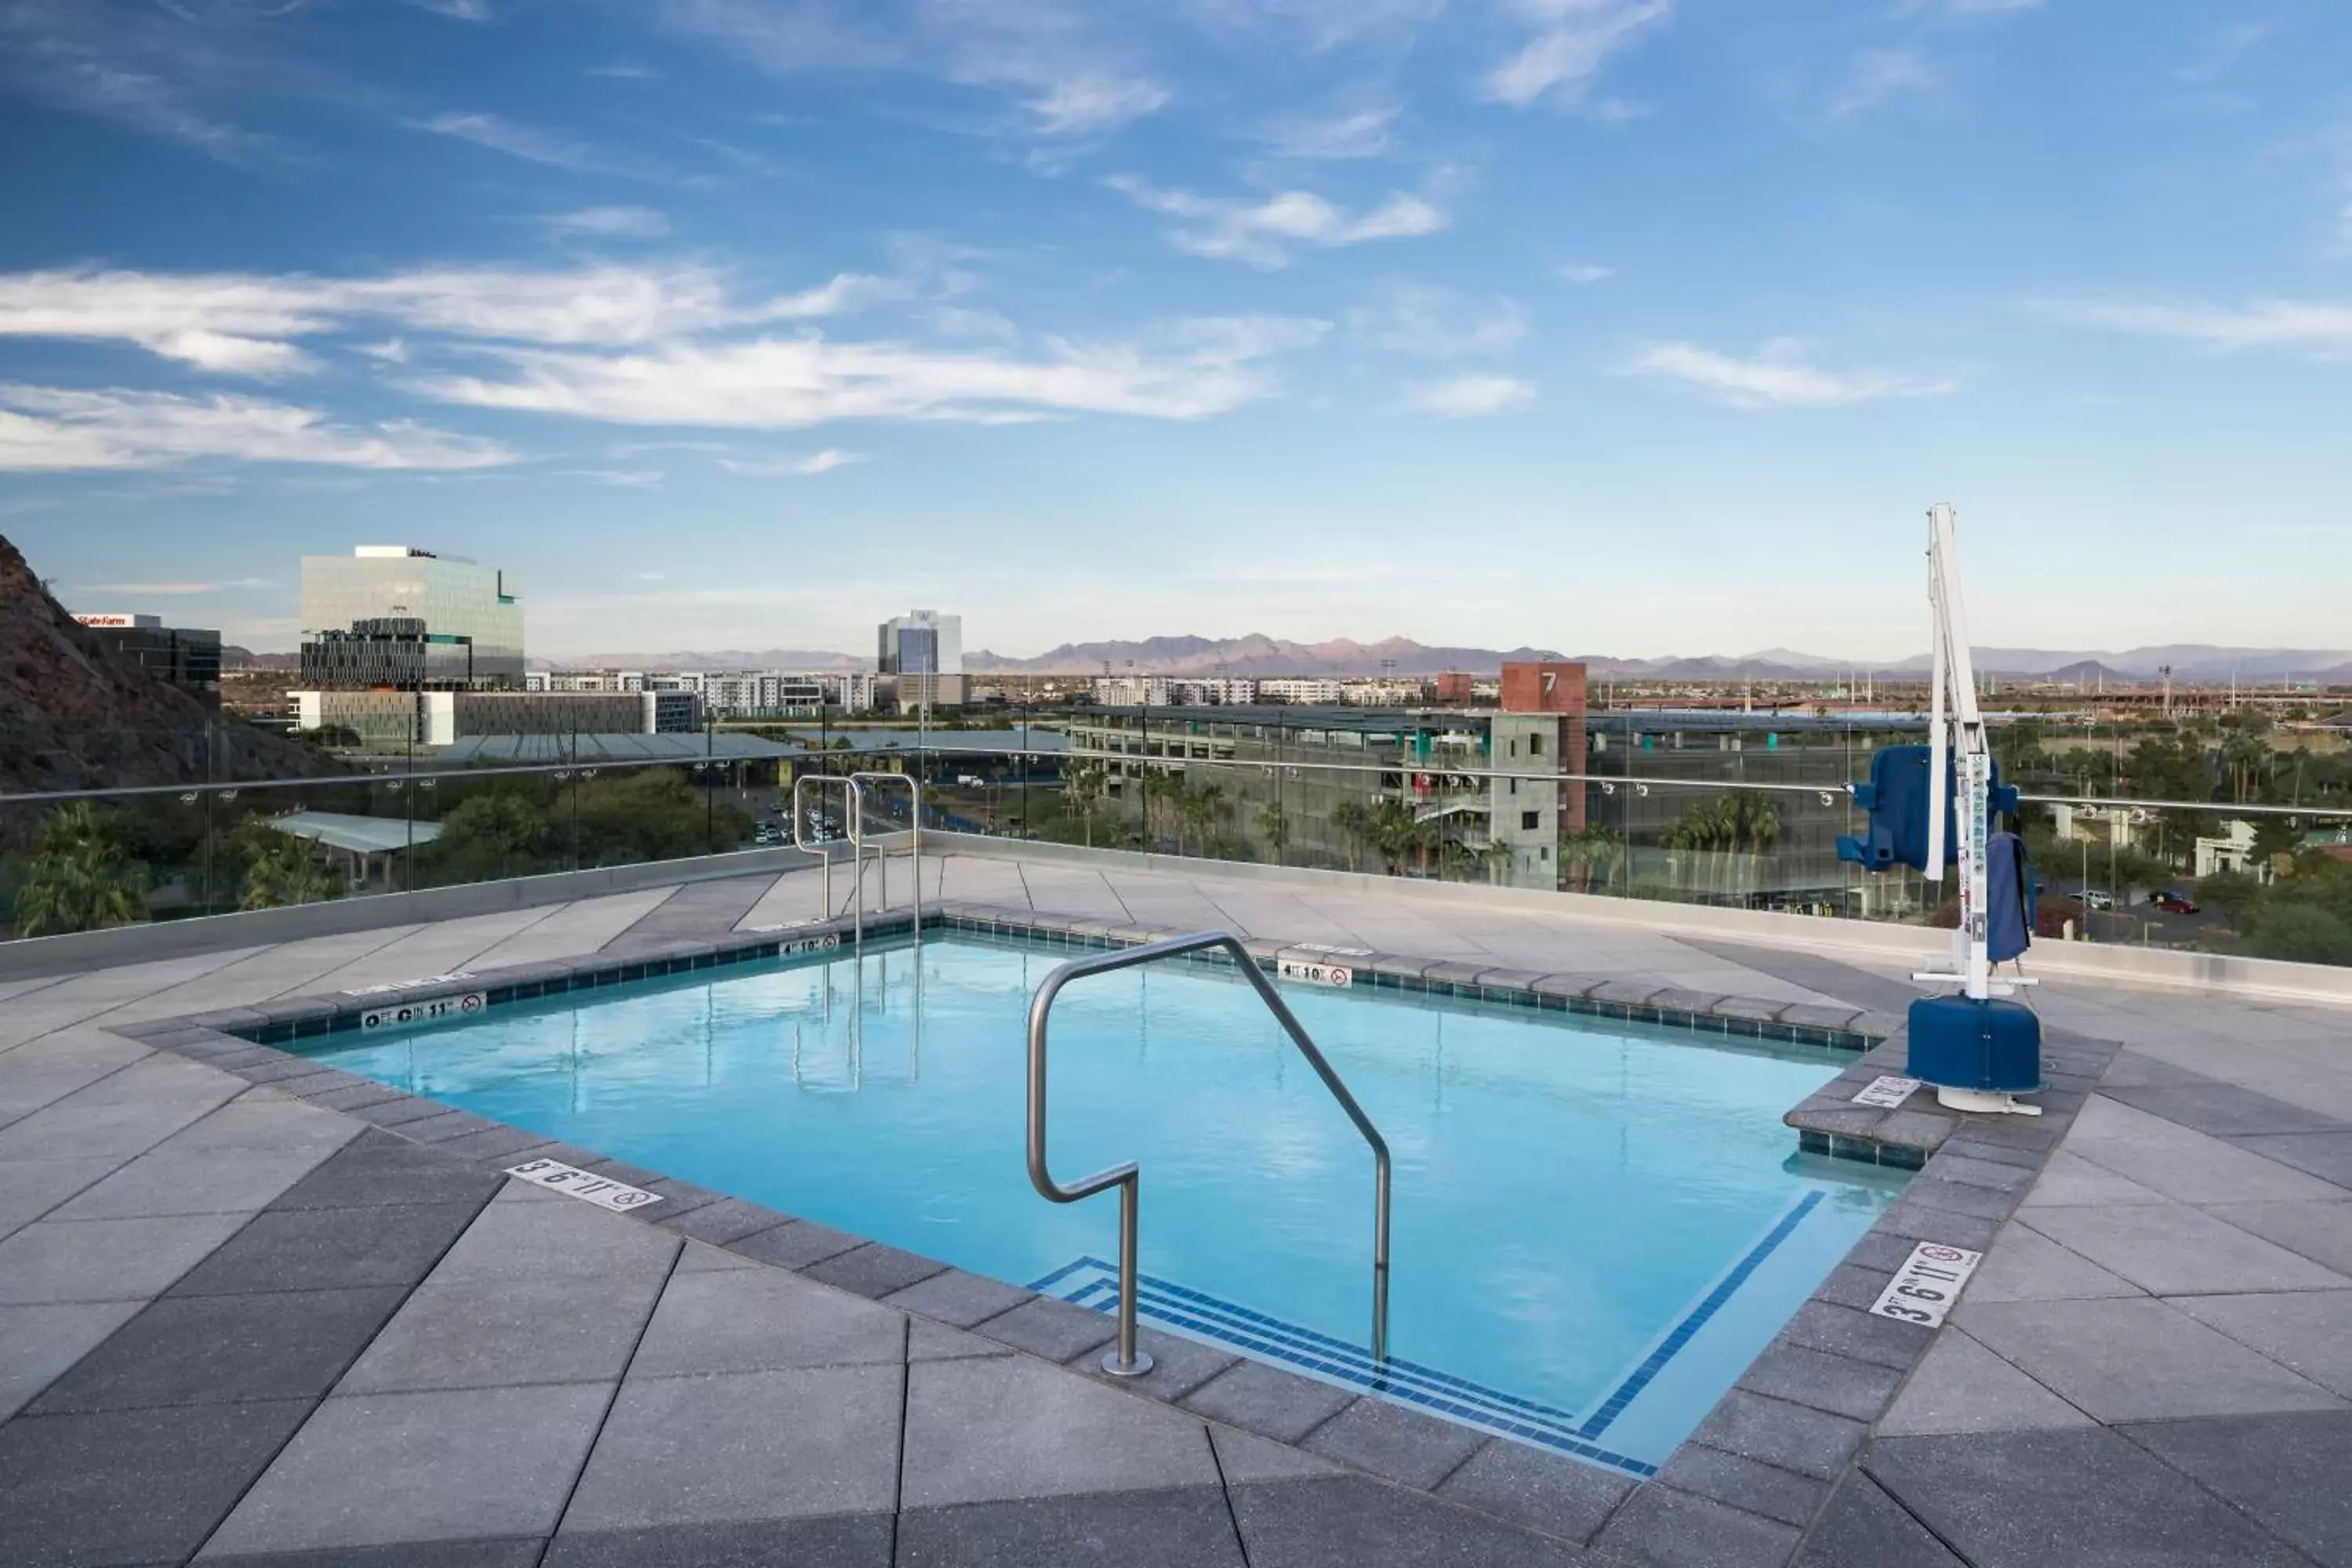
{"x": 1258, "y": 655}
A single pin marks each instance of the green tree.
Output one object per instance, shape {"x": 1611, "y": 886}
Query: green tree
{"x": 2232, "y": 892}
{"x": 1354, "y": 821}
{"x": 2301, "y": 932}
{"x": 1084, "y": 789}
{"x": 1593, "y": 853}
{"x": 1741, "y": 821}
{"x": 289, "y": 872}
{"x": 81, "y": 878}
{"x": 1276, "y": 826}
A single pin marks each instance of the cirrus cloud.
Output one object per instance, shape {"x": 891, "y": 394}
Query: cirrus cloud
{"x": 1264, "y": 231}
{"x": 54, "y": 429}
{"x": 1778, "y": 377}
{"x": 1470, "y": 396}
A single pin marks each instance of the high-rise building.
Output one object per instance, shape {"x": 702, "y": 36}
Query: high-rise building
{"x": 393, "y": 616}
{"x": 920, "y": 661}
{"x": 183, "y": 655}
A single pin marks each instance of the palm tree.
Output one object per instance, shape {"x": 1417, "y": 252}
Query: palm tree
{"x": 1594, "y": 851}
{"x": 1276, "y": 826}
{"x": 287, "y": 873}
{"x": 1351, "y": 817}
{"x": 81, "y": 878}
{"x": 1197, "y": 809}
{"x": 1394, "y": 830}
{"x": 1084, "y": 790}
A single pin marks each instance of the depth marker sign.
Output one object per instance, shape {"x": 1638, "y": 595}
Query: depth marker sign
{"x": 1317, "y": 974}
{"x": 1925, "y": 1288}
{"x": 602, "y": 1191}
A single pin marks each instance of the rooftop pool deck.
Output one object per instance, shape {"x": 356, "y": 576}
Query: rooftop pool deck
{"x": 255, "y": 1310}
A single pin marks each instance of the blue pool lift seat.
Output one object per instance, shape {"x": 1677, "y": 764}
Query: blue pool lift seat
{"x": 1897, "y": 801}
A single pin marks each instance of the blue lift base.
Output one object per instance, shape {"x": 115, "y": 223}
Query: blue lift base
{"x": 1993, "y": 1046}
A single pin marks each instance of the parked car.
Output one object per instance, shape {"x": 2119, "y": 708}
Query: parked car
{"x": 2095, "y": 900}
{"x": 2172, "y": 904}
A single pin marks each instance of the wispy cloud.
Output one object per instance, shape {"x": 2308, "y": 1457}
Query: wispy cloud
{"x": 2221, "y": 48}
{"x": 1778, "y": 377}
{"x": 2317, "y": 327}
{"x": 1877, "y": 75}
{"x": 1436, "y": 322}
{"x": 822, "y": 462}
{"x": 1582, "y": 273}
{"x": 1574, "y": 41}
{"x": 618, "y": 479}
{"x": 54, "y": 428}
{"x": 1190, "y": 371}
{"x": 1470, "y": 396}
{"x": 613, "y": 223}
{"x": 1367, "y": 133}
{"x": 175, "y": 589}
{"x": 501, "y": 134}
{"x": 1262, "y": 232}
{"x": 457, "y": 10}
{"x": 1095, "y": 105}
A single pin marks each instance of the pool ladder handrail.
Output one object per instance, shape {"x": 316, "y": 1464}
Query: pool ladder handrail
{"x": 855, "y": 794}
{"x": 914, "y": 854}
{"x": 1125, "y": 1360}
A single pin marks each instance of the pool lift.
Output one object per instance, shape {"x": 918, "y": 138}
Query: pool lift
{"x": 1932, "y": 807}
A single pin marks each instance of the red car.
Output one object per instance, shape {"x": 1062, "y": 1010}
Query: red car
{"x": 2172, "y": 904}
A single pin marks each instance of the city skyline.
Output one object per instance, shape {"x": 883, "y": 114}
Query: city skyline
{"x": 1620, "y": 325}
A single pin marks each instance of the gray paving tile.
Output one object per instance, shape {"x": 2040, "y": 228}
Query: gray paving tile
{"x": 1350, "y": 1521}
{"x": 1840, "y": 1385}
{"x": 499, "y": 1145}
{"x": 31, "y": 1188}
{"x": 724, "y": 1220}
{"x": 106, "y": 1259}
{"x": 377, "y": 1168}
{"x": 701, "y": 1258}
{"x": 449, "y": 1124}
{"x": 1245, "y": 1456}
{"x": 850, "y": 1541}
{"x": 519, "y": 1239}
{"x": 372, "y": 1469}
{"x": 2328, "y": 1155}
{"x": 2221, "y": 1109}
{"x": 507, "y": 1554}
{"x": 874, "y": 1270}
{"x": 1863, "y": 1528}
{"x": 1811, "y": 1442}
{"x": 797, "y": 1245}
{"x": 996, "y": 1428}
{"x": 2172, "y": 1250}
{"x": 2321, "y": 1232}
{"x": 960, "y": 1300}
{"x": 2287, "y": 1471}
{"x": 2024, "y": 1265}
{"x": 165, "y": 1181}
{"x": 1408, "y": 1446}
{"x": 1529, "y": 1486}
{"x": 2191, "y": 1168}
{"x": 2070, "y": 1180}
{"x": 397, "y": 1111}
{"x": 130, "y": 1486}
{"x": 1267, "y": 1400}
{"x": 744, "y": 1446}
{"x": 1671, "y": 1528}
{"x": 205, "y": 1350}
{"x": 38, "y": 1344}
{"x": 1961, "y": 1386}
{"x": 1058, "y": 1330}
{"x": 1190, "y": 1528}
{"x": 764, "y": 1320}
{"x": 2306, "y": 1332}
{"x": 2002, "y": 1500}
{"x": 2097, "y": 1355}
{"x": 1844, "y": 1331}
{"x": 327, "y": 1250}
{"x": 1178, "y": 1366}
{"x": 927, "y": 1340}
{"x": 1746, "y": 1484}
{"x": 493, "y": 1333}
{"x": 1977, "y": 1202}
{"x": 1998, "y": 1175}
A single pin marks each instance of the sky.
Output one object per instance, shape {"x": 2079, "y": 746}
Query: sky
{"x": 1621, "y": 327}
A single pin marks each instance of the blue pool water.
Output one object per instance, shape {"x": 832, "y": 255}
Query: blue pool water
{"x": 1597, "y": 1226}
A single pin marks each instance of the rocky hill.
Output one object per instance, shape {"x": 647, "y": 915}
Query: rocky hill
{"x": 76, "y": 713}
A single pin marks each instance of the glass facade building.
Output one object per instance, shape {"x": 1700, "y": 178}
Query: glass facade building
{"x": 390, "y": 615}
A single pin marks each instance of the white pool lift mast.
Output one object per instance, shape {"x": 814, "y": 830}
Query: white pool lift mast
{"x": 1957, "y": 739}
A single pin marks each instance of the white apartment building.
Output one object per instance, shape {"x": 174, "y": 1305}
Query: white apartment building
{"x": 1174, "y": 691}
{"x": 1315, "y": 690}
{"x": 728, "y": 693}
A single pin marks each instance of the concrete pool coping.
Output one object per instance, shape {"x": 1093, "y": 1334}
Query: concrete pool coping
{"x": 1757, "y": 1469}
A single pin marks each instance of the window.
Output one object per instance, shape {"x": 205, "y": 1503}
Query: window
{"x": 1535, "y": 746}
{"x": 1530, "y": 820}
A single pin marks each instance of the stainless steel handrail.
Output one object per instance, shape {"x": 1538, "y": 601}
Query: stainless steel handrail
{"x": 914, "y": 797}
{"x": 1127, "y": 1361}
{"x": 856, "y": 792}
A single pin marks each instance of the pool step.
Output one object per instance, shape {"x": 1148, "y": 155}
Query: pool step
{"x": 1093, "y": 1283}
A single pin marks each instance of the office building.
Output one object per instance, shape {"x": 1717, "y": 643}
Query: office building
{"x": 397, "y": 720}
{"x": 180, "y": 656}
{"x": 918, "y": 661}
{"x": 391, "y": 616}
{"x": 741, "y": 694}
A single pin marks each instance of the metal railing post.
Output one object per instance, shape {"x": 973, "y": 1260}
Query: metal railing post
{"x": 1127, "y": 1361}
{"x": 915, "y": 804}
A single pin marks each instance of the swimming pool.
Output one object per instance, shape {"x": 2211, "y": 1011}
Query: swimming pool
{"x": 1597, "y": 1225}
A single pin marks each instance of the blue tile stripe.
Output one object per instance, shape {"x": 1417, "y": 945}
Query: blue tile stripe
{"x": 1092, "y": 1283}
{"x": 1683, "y": 1332}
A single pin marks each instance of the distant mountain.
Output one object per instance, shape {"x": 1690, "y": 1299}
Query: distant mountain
{"x": 234, "y": 658}
{"x": 1255, "y": 656}
{"x": 2085, "y": 672}
{"x": 724, "y": 659}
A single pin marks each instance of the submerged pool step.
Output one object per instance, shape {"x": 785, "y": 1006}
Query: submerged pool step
{"x": 1094, "y": 1283}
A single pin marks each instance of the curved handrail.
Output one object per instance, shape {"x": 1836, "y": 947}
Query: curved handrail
{"x": 856, "y": 794}
{"x": 914, "y": 801}
{"x": 1126, "y": 1362}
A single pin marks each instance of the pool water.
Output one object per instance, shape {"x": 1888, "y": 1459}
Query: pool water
{"x": 1596, "y": 1224}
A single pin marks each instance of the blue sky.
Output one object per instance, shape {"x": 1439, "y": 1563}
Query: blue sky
{"x": 1623, "y": 326}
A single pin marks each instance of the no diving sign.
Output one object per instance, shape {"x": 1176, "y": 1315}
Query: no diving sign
{"x": 602, "y": 1191}
{"x": 423, "y": 1012}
